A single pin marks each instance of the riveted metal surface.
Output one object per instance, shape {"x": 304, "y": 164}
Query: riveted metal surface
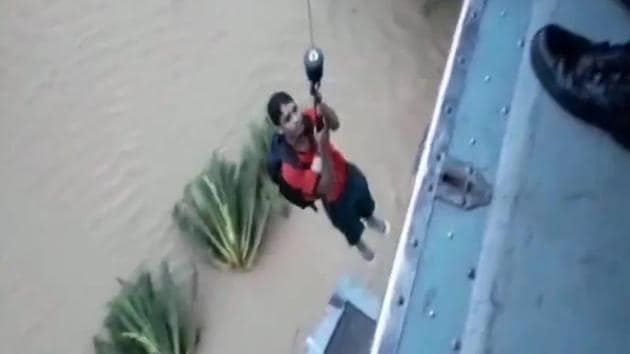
{"x": 547, "y": 255}
{"x": 464, "y": 112}
{"x": 553, "y": 274}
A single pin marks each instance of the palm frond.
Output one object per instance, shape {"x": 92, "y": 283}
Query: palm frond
{"x": 149, "y": 318}
{"x": 227, "y": 207}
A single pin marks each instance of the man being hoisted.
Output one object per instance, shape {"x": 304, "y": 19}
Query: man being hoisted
{"x": 307, "y": 166}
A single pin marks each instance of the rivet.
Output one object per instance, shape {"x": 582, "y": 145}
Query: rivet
{"x": 401, "y": 301}
{"x": 472, "y": 141}
{"x": 456, "y": 345}
{"x": 431, "y": 314}
{"x": 414, "y": 243}
{"x": 473, "y": 14}
{"x": 430, "y": 187}
{"x": 448, "y": 109}
{"x": 487, "y": 78}
{"x": 505, "y": 110}
{"x": 521, "y": 43}
{"x": 471, "y": 273}
{"x": 450, "y": 235}
{"x": 502, "y": 13}
{"x": 461, "y": 59}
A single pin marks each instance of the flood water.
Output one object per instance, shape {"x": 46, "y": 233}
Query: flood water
{"x": 108, "y": 108}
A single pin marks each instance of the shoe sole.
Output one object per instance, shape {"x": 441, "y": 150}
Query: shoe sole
{"x": 567, "y": 101}
{"x": 583, "y": 111}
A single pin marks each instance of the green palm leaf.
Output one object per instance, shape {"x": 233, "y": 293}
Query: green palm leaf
{"x": 227, "y": 207}
{"x": 148, "y": 319}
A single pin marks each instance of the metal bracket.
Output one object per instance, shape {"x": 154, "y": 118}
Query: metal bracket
{"x": 461, "y": 185}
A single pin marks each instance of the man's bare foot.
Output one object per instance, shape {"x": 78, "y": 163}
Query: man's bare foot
{"x": 381, "y": 226}
{"x": 365, "y": 251}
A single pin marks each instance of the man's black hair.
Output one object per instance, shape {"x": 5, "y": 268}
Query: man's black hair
{"x": 273, "y": 106}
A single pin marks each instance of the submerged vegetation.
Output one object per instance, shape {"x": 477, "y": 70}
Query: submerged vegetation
{"x": 152, "y": 316}
{"x": 226, "y": 209}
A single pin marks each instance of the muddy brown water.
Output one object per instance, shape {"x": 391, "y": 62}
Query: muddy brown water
{"x": 108, "y": 108}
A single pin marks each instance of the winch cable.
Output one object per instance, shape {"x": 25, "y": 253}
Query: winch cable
{"x": 314, "y": 66}
{"x": 310, "y": 22}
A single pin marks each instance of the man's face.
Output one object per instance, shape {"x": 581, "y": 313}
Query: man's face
{"x": 291, "y": 121}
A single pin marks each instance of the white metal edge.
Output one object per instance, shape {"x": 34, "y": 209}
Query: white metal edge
{"x": 423, "y": 170}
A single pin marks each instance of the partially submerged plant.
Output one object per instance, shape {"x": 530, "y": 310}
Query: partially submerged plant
{"x": 152, "y": 316}
{"x": 226, "y": 209}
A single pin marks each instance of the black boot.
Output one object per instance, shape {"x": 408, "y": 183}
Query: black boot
{"x": 590, "y": 80}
